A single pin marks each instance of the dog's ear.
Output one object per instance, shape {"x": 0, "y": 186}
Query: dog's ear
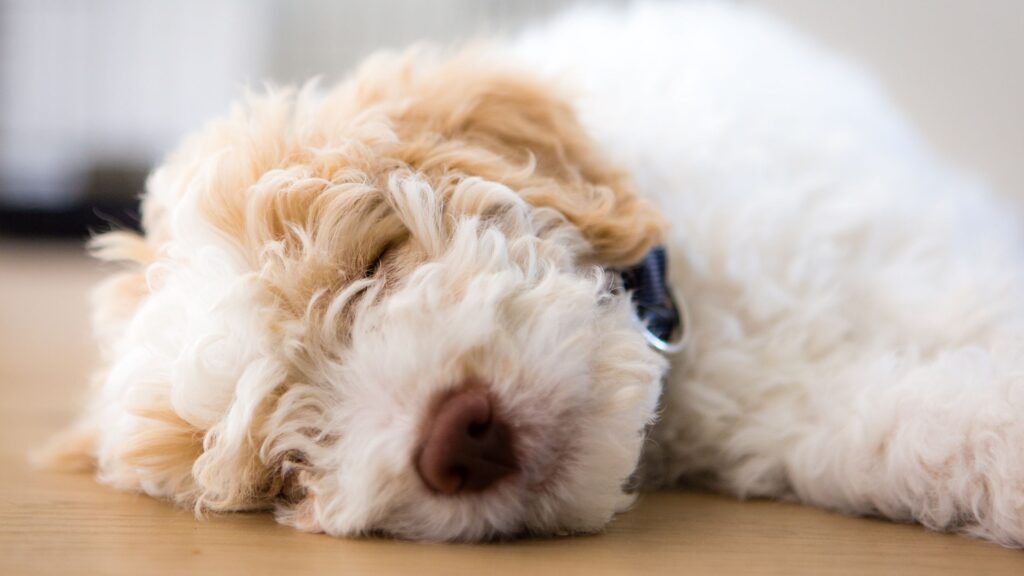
{"x": 525, "y": 123}
{"x": 115, "y": 300}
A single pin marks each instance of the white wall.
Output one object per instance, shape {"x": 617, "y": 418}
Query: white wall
{"x": 326, "y": 37}
{"x": 98, "y": 81}
{"x": 956, "y": 67}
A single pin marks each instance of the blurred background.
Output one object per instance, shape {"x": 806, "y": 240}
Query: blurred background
{"x": 94, "y": 92}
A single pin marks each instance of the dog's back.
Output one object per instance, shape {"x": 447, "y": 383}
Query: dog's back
{"x": 857, "y": 323}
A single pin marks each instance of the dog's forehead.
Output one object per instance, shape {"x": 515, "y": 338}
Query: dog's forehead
{"x": 402, "y": 139}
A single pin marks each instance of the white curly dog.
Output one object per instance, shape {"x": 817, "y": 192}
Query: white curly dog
{"x": 397, "y": 306}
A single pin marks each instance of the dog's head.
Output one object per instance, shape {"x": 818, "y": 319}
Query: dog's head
{"x": 389, "y": 309}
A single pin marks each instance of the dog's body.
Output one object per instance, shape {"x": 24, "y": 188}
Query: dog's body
{"x": 315, "y": 275}
{"x": 857, "y": 305}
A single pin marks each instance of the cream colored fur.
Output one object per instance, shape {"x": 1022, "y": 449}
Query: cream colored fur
{"x": 317, "y": 267}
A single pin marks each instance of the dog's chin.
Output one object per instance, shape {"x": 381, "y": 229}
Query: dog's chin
{"x": 550, "y": 507}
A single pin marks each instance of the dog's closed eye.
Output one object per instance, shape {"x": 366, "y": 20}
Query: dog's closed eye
{"x": 371, "y": 269}
{"x": 375, "y": 264}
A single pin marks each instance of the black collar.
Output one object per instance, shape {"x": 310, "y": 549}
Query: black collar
{"x": 664, "y": 320}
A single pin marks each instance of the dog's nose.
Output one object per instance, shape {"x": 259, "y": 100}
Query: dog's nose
{"x": 466, "y": 446}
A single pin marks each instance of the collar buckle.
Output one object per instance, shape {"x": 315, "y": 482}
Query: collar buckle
{"x": 661, "y": 312}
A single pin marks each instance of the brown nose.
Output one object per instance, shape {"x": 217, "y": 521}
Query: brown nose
{"x": 466, "y": 447}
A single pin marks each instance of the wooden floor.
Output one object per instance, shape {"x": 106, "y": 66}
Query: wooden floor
{"x": 68, "y": 524}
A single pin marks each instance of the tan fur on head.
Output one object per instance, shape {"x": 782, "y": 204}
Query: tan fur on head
{"x": 444, "y": 119}
{"x": 316, "y": 269}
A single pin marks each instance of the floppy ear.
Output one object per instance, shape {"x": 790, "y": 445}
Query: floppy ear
{"x": 155, "y": 449}
{"x": 591, "y": 191}
{"x": 114, "y": 301}
{"x": 523, "y": 121}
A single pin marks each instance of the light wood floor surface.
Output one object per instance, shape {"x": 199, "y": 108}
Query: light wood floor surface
{"x": 68, "y": 524}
